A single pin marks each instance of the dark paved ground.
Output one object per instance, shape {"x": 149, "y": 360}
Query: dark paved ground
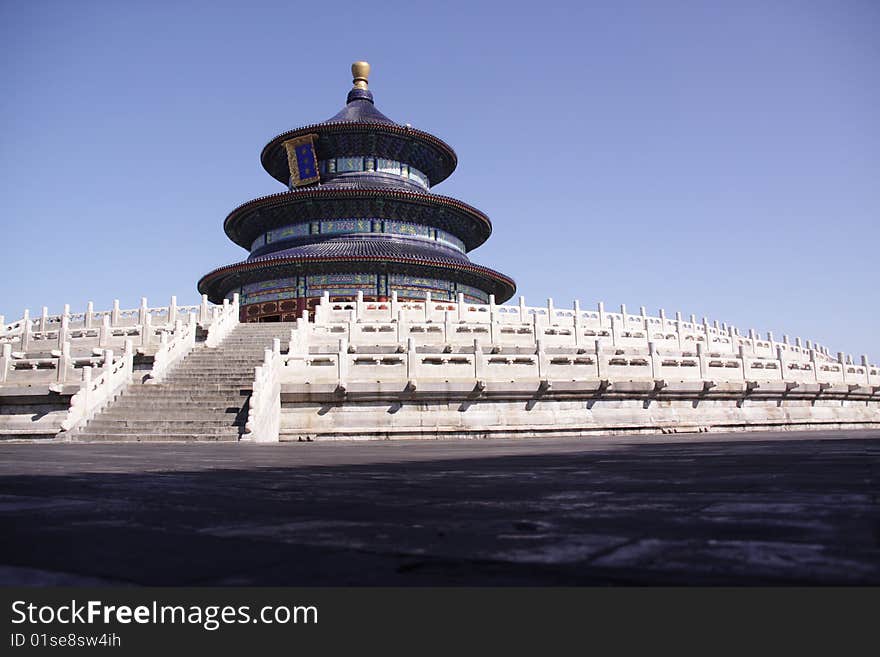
{"x": 723, "y": 509}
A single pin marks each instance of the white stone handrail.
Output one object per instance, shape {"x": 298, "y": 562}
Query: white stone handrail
{"x": 522, "y": 324}
{"x": 95, "y": 394}
{"x": 59, "y": 367}
{"x": 223, "y": 320}
{"x": 602, "y": 361}
{"x": 264, "y": 411}
{"x": 173, "y": 349}
{"x": 91, "y": 318}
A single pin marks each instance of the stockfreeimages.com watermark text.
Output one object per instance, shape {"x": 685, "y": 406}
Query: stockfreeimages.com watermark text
{"x": 209, "y": 617}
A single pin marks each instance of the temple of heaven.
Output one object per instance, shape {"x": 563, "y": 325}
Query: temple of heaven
{"x": 358, "y": 216}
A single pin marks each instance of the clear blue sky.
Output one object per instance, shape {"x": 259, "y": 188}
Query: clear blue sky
{"x": 715, "y": 158}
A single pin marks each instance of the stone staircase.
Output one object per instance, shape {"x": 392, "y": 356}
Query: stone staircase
{"x": 204, "y": 397}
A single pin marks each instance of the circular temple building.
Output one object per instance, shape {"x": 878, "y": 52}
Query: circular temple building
{"x": 358, "y": 217}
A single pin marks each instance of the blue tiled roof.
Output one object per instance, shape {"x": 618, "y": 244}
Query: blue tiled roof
{"x": 369, "y": 247}
{"x": 359, "y": 108}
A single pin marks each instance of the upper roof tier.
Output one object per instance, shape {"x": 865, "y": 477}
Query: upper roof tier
{"x": 361, "y": 129}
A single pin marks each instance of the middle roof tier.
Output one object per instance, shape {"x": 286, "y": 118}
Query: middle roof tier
{"x": 256, "y": 218}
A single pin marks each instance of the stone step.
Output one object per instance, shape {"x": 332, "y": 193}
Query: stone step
{"x": 194, "y": 383}
{"x": 224, "y": 357}
{"x": 241, "y": 351}
{"x": 216, "y": 367}
{"x": 198, "y": 369}
{"x": 202, "y": 388}
{"x": 232, "y": 362}
{"x": 152, "y": 428}
{"x": 208, "y": 386}
{"x": 216, "y": 377}
{"x": 256, "y": 345}
{"x": 230, "y": 354}
{"x": 249, "y": 343}
{"x": 246, "y": 329}
{"x": 167, "y": 389}
{"x": 170, "y": 407}
{"x": 172, "y": 413}
{"x": 192, "y": 397}
{"x": 166, "y": 437}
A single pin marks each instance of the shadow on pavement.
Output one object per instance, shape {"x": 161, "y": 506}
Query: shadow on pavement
{"x": 749, "y": 512}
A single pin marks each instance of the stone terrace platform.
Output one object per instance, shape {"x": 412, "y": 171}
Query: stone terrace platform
{"x": 745, "y": 508}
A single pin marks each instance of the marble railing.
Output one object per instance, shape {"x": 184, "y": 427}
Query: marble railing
{"x": 223, "y": 319}
{"x": 58, "y": 367}
{"x": 56, "y": 349}
{"x": 172, "y": 349}
{"x": 486, "y": 364}
{"x": 96, "y": 393}
{"x": 430, "y": 322}
{"x": 30, "y": 332}
{"x": 264, "y": 410}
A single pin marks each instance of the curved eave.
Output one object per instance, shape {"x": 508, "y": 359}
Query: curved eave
{"x": 438, "y": 167}
{"x": 243, "y": 226}
{"x": 216, "y": 283}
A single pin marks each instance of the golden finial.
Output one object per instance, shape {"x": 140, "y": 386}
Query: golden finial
{"x": 360, "y": 71}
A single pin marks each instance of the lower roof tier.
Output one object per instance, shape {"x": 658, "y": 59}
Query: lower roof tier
{"x": 255, "y": 218}
{"x": 357, "y": 256}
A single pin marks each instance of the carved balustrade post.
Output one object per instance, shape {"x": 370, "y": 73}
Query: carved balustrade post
{"x": 26, "y": 330}
{"x": 203, "y": 310}
{"x": 63, "y": 364}
{"x": 394, "y": 306}
{"x": 543, "y": 361}
{"x": 411, "y": 356}
{"x": 105, "y": 333}
{"x": 146, "y": 329}
{"x": 402, "y": 326}
{"x": 5, "y": 361}
{"x": 783, "y": 357}
{"x": 359, "y": 305}
{"x": 479, "y": 361}
{"x": 654, "y": 357}
{"x": 63, "y": 330}
{"x": 343, "y": 362}
{"x": 601, "y": 361}
{"x": 703, "y": 361}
